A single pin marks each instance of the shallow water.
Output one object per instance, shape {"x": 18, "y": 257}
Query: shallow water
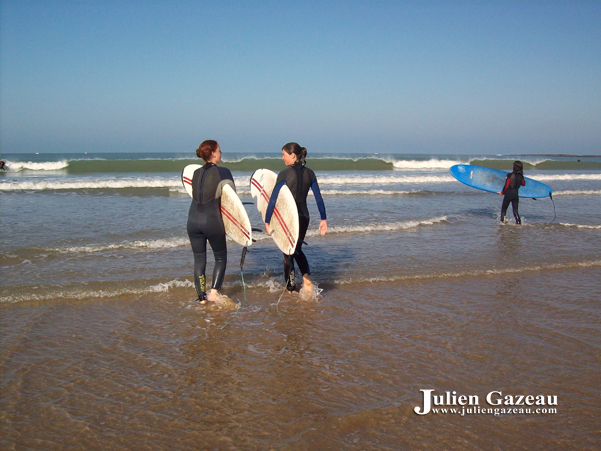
{"x": 342, "y": 373}
{"x": 101, "y": 347}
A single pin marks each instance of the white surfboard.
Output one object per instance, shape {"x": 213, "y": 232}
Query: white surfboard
{"x": 233, "y": 213}
{"x": 284, "y": 222}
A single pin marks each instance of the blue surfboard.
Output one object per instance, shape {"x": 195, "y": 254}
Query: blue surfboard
{"x": 493, "y": 180}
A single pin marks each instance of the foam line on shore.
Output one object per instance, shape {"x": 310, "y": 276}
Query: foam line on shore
{"x": 177, "y": 242}
{"x": 470, "y": 273}
{"x": 274, "y": 284}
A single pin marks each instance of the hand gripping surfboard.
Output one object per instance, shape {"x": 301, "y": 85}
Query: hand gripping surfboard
{"x": 284, "y": 222}
{"x": 235, "y": 218}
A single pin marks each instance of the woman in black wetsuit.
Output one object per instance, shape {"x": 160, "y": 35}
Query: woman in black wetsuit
{"x": 299, "y": 180}
{"x": 514, "y": 180}
{"x": 204, "y": 219}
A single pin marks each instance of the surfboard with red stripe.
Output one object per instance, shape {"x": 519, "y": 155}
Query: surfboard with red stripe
{"x": 235, "y": 219}
{"x": 284, "y": 222}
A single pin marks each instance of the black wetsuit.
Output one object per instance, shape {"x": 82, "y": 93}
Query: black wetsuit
{"x": 299, "y": 180}
{"x": 205, "y": 223}
{"x": 510, "y": 190}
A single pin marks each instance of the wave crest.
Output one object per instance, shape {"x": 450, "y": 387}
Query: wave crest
{"x": 19, "y": 166}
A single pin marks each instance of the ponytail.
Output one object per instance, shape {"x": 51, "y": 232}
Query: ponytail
{"x": 296, "y": 149}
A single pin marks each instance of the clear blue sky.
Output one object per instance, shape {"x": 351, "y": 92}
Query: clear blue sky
{"x": 478, "y": 77}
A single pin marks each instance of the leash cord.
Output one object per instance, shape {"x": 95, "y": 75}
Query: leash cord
{"x": 277, "y": 305}
{"x": 554, "y": 212}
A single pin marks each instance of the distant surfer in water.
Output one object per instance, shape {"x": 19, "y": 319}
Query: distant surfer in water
{"x": 2, "y": 165}
{"x": 299, "y": 179}
{"x": 204, "y": 220}
{"x": 514, "y": 180}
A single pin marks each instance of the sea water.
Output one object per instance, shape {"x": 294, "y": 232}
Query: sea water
{"x": 423, "y": 288}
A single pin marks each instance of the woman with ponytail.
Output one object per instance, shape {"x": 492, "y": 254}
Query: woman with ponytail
{"x": 299, "y": 179}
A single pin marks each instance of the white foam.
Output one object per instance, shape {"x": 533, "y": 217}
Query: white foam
{"x": 165, "y": 243}
{"x": 87, "y": 294}
{"x": 312, "y": 293}
{"x": 118, "y": 183}
{"x": 172, "y": 243}
{"x": 433, "y": 163}
{"x": 381, "y": 227}
{"x": 75, "y": 294}
{"x": 581, "y": 226}
{"x": 42, "y": 185}
{"x": 164, "y": 287}
{"x": 566, "y": 177}
{"x": 360, "y": 179}
{"x": 18, "y": 166}
{"x": 367, "y": 192}
{"x": 589, "y": 192}
{"x": 470, "y": 273}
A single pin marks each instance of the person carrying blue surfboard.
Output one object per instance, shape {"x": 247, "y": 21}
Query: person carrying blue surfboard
{"x": 513, "y": 183}
{"x": 205, "y": 222}
{"x": 299, "y": 179}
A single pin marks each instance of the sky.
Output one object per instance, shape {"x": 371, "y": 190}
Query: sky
{"x": 434, "y": 77}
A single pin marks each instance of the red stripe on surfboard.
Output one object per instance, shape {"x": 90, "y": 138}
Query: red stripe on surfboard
{"x": 276, "y": 212}
{"x": 278, "y": 216}
{"x": 235, "y": 221}
{"x": 187, "y": 180}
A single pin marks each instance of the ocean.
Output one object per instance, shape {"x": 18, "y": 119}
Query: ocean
{"x": 101, "y": 346}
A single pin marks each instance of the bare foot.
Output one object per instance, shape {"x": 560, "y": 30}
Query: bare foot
{"x": 213, "y": 296}
{"x": 307, "y": 281}
{"x": 307, "y": 288}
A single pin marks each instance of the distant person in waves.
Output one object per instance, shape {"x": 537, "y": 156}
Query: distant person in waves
{"x": 204, "y": 220}
{"x": 2, "y": 166}
{"x": 299, "y": 179}
{"x": 514, "y": 180}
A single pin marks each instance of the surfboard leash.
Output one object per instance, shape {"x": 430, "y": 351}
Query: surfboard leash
{"x": 244, "y": 251}
{"x": 554, "y": 212}
{"x": 277, "y": 305}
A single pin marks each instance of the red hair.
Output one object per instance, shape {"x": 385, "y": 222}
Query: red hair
{"x": 206, "y": 149}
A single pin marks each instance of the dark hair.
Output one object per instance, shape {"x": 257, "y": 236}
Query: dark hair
{"x": 294, "y": 148}
{"x": 518, "y": 167}
{"x": 206, "y": 149}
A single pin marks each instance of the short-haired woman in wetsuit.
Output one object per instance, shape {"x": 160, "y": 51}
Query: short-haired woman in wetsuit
{"x": 299, "y": 179}
{"x": 514, "y": 180}
{"x": 204, "y": 219}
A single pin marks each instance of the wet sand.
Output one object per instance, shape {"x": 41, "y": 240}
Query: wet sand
{"x": 343, "y": 373}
